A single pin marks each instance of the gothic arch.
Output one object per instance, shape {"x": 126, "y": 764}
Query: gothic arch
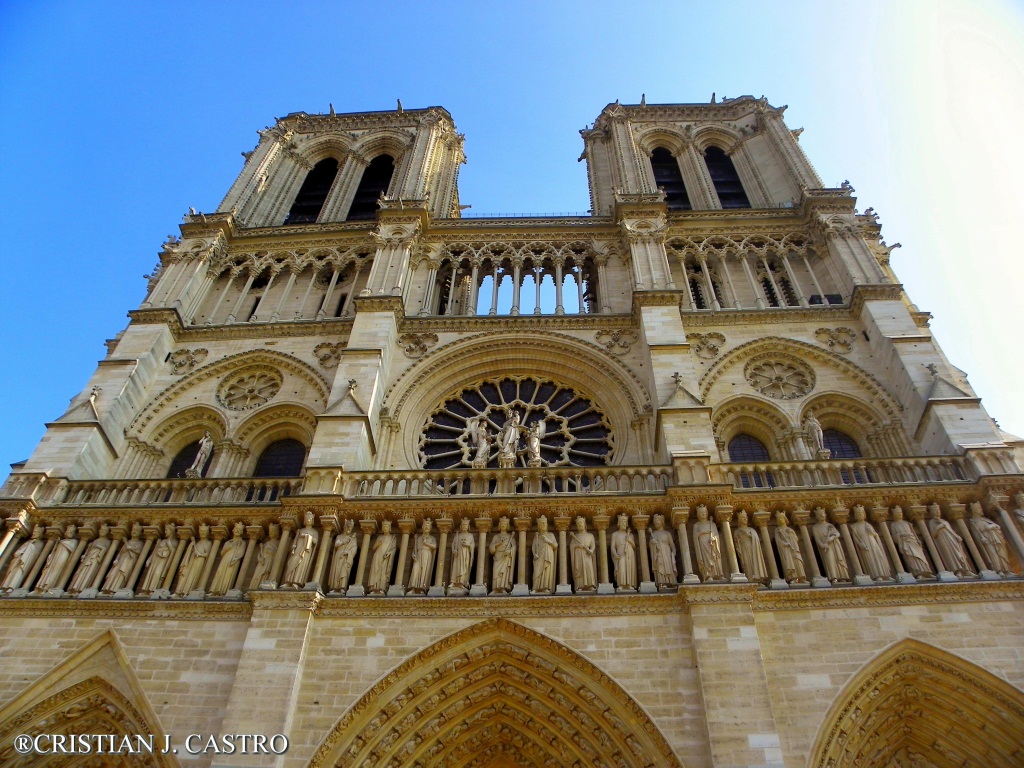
{"x": 287, "y": 365}
{"x": 753, "y": 416}
{"x": 848, "y": 414}
{"x": 94, "y": 691}
{"x": 287, "y": 420}
{"x": 873, "y": 390}
{"x": 390, "y": 141}
{"x": 581, "y": 365}
{"x": 715, "y": 135}
{"x": 916, "y": 698}
{"x": 186, "y": 426}
{"x": 495, "y": 693}
{"x": 660, "y": 136}
{"x": 328, "y": 146}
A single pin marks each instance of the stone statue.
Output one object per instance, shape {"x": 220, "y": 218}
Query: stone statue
{"x": 156, "y": 567}
{"x": 265, "y": 557}
{"x": 1019, "y": 509}
{"x": 231, "y": 554}
{"x": 90, "y": 563}
{"x": 463, "y": 547}
{"x": 23, "y": 558}
{"x": 545, "y": 550}
{"x": 663, "y": 554}
{"x": 582, "y": 548}
{"x": 707, "y": 546}
{"x": 124, "y": 563}
{"x": 508, "y": 439}
{"x": 909, "y": 545}
{"x": 990, "y": 537}
{"x": 830, "y": 545}
{"x": 534, "y": 435}
{"x": 788, "y": 543}
{"x": 300, "y": 559}
{"x": 623, "y": 554}
{"x": 748, "y": 549}
{"x": 58, "y": 558}
{"x": 503, "y": 558}
{"x": 869, "y": 546}
{"x": 480, "y": 442}
{"x": 948, "y": 542}
{"x": 424, "y": 547}
{"x": 382, "y": 560}
{"x": 345, "y": 550}
{"x": 199, "y": 465}
{"x": 194, "y": 562}
{"x": 815, "y": 437}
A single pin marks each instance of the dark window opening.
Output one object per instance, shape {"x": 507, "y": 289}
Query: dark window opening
{"x": 727, "y": 182}
{"x": 746, "y": 449}
{"x": 769, "y": 292}
{"x": 183, "y": 460}
{"x": 313, "y": 194}
{"x": 830, "y": 298}
{"x": 375, "y": 182}
{"x": 842, "y": 445}
{"x": 668, "y": 177}
{"x": 698, "y": 293}
{"x": 283, "y": 458}
{"x": 341, "y": 305}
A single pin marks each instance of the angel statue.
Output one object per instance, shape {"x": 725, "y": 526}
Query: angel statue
{"x": 534, "y": 434}
{"x": 480, "y": 441}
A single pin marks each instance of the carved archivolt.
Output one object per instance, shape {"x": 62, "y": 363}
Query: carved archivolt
{"x": 185, "y": 426}
{"x": 752, "y": 416}
{"x": 265, "y": 360}
{"x": 915, "y": 698}
{"x": 496, "y": 691}
{"x": 775, "y": 346}
{"x": 574, "y": 363}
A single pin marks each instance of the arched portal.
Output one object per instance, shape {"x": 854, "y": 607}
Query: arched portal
{"x": 496, "y": 693}
{"x": 917, "y": 704}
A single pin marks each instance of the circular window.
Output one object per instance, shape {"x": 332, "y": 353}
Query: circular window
{"x": 781, "y": 379}
{"x": 249, "y": 388}
{"x": 469, "y": 429}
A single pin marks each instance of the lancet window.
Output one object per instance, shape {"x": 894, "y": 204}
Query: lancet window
{"x": 727, "y": 182}
{"x": 374, "y": 183}
{"x": 313, "y": 193}
{"x": 527, "y": 281}
{"x": 703, "y": 283}
{"x": 842, "y": 445}
{"x": 668, "y": 178}
{"x": 283, "y": 458}
{"x": 776, "y": 284}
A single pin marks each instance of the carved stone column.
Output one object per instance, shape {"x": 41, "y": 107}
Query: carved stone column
{"x": 800, "y": 518}
{"x": 563, "y": 587}
{"x": 479, "y": 588}
{"x": 604, "y": 585}
{"x": 646, "y": 582}
{"x": 840, "y": 516}
{"x": 522, "y": 586}
{"x": 723, "y": 516}
{"x": 328, "y": 528}
{"x": 406, "y": 526}
{"x": 956, "y": 513}
{"x": 761, "y": 520}
{"x": 880, "y": 516}
{"x": 255, "y": 533}
{"x": 357, "y": 588}
{"x": 444, "y": 526}
{"x": 680, "y": 516}
{"x": 916, "y": 512}
{"x": 281, "y": 556}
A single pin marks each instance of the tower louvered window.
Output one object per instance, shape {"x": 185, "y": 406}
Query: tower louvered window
{"x": 375, "y": 182}
{"x": 668, "y": 178}
{"x": 313, "y": 194}
{"x": 726, "y": 180}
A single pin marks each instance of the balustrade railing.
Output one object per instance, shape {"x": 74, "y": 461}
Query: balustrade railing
{"x": 177, "y": 491}
{"x": 839, "y": 472}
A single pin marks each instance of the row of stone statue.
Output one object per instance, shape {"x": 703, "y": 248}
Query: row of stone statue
{"x": 194, "y": 563}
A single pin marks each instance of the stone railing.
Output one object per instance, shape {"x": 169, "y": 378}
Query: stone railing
{"x": 176, "y": 491}
{"x": 839, "y": 472}
{"x": 621, "y": 480}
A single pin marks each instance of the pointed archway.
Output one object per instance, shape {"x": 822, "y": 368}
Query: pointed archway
{"x": 496, "y": 694}
{"x": 915, "y": 704}
{"x": 94, "y": 691}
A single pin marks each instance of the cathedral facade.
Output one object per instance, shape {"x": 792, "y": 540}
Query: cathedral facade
{"x": 684, "y": 481}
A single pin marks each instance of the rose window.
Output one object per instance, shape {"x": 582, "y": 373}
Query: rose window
{"x": 781, "y": 379}
{"x": 574, "y": 432}
{"x": 249, "y": 388}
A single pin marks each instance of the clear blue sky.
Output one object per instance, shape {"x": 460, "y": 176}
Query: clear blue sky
{"x": 119, "y": 116}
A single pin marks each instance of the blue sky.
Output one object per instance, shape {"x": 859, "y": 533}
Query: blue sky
{"x": 119, "y": 116}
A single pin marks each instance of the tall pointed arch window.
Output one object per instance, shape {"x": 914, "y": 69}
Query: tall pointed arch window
{"x": 724, "y": 177}
{"x": 283, "y": 458}
{"x": 313, "y": 193}
{"x": 841, "y": 444}
{"x": 747, "y": 449}
{"x": 375, "y": 181}
{"x": 668, "y": 177}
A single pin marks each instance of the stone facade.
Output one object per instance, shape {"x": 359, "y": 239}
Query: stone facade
{"x": 711, "y": 396}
